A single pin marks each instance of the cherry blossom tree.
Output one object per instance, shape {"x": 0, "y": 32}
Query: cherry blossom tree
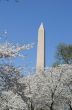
{"x": 11, "y": 91}
{"x": 48, "y": 91}
{"x": 8, "y": 50}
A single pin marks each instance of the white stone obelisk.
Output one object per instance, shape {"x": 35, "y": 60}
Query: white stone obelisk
{"x": 40, "y": 49}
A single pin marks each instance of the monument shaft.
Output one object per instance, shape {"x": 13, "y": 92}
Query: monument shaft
{"x": 40, "y": 49}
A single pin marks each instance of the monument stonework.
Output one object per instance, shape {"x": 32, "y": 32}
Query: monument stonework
{"x": 41, "y": 49}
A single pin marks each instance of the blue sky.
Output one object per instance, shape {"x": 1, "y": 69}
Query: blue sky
{"x": 22, "y": 20}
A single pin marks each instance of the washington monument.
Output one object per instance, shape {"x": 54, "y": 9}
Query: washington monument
{"x": 41, "y": 49}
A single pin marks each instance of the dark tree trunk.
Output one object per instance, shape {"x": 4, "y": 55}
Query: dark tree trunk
{"x": 70, "y": 106}
{"x": 51, "y": 107}
{"x": 32, "y": 107}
